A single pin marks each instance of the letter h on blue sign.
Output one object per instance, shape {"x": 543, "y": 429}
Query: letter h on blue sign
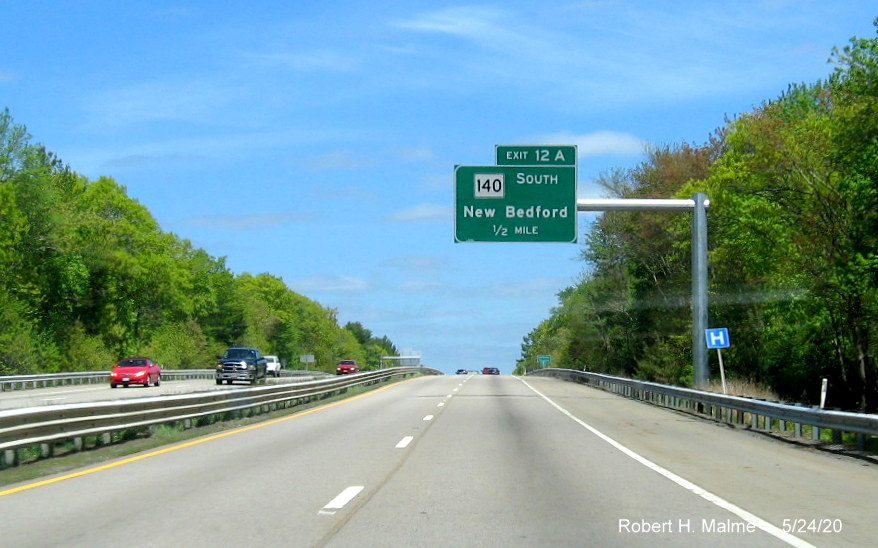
{"x": 717, "y": 337}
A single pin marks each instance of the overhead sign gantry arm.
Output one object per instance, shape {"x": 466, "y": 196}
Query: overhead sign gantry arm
{"x": 528, "y": 196}
{"x": 698, "y": 205}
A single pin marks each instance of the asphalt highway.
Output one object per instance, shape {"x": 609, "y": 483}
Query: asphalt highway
{"x": 459, "y": 461}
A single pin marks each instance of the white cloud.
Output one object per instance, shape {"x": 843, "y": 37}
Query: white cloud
{"x": 247, "y": 222}
{"x": 141, "y": 161}
{"x": 470, "y": 21}
{"x": 417, "y": 286}
{"x": 212, "y": 147}
{"x": 599, "y": 143}
{"x": 618, "y": 56}
{"x": 332, "y": 283}
{"x": 412, "y": 154}
{"x": 321, "y": 59}
{"x": 423, "y": 213}
{"x": 181, "y": 101}
{"x": 179, "y": 13}
{"x": 419, "y": 264}
{"x": 534, "y": 288}
{"x": 437, "y": 182}
{"x": 507, "y": 42}
{"x": 348, "y": 192}
{"x": 340, "y": 159}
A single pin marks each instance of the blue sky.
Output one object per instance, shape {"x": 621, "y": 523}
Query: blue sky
{"x": 316, "y": 141}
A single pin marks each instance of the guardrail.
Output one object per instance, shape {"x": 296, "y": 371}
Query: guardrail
{"x": 48, "y": 425}
{"x": 790, "y": 420}
{"x": 24, "y": 382}
{"x": 45, "y": 380}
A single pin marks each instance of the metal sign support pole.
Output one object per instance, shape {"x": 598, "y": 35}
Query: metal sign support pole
{"x": 699, "y": 290}
{"x": 698, "y": 205}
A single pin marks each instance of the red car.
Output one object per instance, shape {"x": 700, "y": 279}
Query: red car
{"x": 490, "y": 371}
{"x": 135, "y": 371}
{"x": 346, "y": 366}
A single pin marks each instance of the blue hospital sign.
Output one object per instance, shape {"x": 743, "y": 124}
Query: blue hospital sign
{"x": 717, "y": 337}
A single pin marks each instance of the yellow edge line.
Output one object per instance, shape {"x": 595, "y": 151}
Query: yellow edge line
{"x": 184, "y": 445}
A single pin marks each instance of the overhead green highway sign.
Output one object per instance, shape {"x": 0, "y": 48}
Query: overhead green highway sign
{"x": 515, "y": 203}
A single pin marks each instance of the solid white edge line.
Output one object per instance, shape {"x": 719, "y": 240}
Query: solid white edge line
{"x": 686, "y": 484}
{"x": 403, "y": 443}
{"x": 342, "y": 499}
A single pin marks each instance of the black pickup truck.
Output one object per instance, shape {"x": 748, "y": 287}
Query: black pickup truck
{"x": 241, "y": 364}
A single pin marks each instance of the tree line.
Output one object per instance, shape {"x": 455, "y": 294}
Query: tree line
{"x": 87, "y": 277}
{"x": 793, "y": 250}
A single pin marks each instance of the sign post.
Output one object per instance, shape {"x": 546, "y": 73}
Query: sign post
{"x": 719, "y": 338}
{"x": 544, "y": 360}
{"x": 698, "y": 205}
{"x": 476, "y": 219}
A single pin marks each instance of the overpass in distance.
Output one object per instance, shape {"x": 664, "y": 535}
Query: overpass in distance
{"x": 460, "y": 461}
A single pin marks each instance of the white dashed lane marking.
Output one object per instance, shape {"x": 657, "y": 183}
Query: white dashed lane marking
{"x": 342, "y": 499}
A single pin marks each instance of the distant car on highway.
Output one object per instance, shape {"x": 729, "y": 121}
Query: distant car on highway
{"x": 462, "y": 372}
{"x": 272, "y": 366}
{"x": 135, "y": 371}
{"x": 490, "y": 371}
{"x": 346, "y": 366}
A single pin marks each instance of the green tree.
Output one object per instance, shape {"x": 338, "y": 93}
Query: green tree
{"x": 88, "y": 276}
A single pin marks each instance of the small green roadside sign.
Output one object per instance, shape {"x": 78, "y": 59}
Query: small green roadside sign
{"x": 515, "y": 203}
{"x": 544, "y": 360}
{"x": 535, "y": 155}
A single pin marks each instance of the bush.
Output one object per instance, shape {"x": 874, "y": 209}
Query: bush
{"x": 84, "y": 353}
